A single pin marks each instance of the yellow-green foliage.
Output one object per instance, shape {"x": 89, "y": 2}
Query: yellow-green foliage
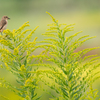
{"x": 71, "y": 73}
{"x": 68, "y": 73}
{"x": 16, "y": 48}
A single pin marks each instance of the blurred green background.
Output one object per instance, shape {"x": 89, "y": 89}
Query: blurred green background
{"x": 84, "y": 13}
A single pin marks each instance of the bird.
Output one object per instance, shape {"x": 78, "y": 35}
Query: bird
{"x": 3, "y": 23}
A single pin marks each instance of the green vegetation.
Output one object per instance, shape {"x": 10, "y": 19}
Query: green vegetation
{"x": 16, "y": 57}
{"x": 67, "y": 73}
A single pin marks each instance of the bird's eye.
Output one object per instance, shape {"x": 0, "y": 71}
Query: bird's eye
{"x": 5, "y": 17}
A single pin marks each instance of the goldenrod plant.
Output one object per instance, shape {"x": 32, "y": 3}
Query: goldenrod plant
{"x": 70, "y": 75}
{"x": 16, "y": 48}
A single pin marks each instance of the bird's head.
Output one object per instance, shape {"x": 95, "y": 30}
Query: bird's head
{"x": 5, "y": 17}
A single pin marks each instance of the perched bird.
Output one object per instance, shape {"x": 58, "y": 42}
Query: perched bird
{"x": 3, "y": 23}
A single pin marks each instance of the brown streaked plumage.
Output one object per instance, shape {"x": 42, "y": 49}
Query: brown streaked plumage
{"x": 3, "y": 23}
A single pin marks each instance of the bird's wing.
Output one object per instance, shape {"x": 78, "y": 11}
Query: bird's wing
{"x": 2, "y": 24}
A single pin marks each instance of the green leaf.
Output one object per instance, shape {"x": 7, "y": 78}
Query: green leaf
{"x": 38, "y": 98}
{"x": 21, "y": 82}
{"x": 64, "y": 60}
{"x": 25, "y": 61}
{"x": 64, "y": 92}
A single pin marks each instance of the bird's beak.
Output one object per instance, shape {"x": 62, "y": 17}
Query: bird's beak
{"x": 8, "y": 18}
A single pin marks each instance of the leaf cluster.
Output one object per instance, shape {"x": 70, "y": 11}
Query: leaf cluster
{"x": 70, "y": 74}
{"x": 16, "y": 54}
